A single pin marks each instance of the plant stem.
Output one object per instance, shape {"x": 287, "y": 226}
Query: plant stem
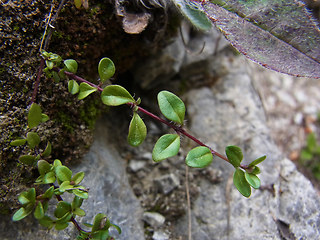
{"x": 177, "y": 128}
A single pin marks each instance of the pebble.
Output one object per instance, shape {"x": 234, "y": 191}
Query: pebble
{"x": 160, "y": 235}
{"x": 167, "y": 183}
{"x": 153, "y": 219}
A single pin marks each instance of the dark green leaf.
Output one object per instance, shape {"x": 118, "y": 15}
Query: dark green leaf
{"x": 44, "y": 117}
{"x": 115, "y": 95}
{"x": 33, "y": 139}
{"x": 43, "y": 167}
{"x": 234, "y": 155}
{"x": 77, "y": 202}
{"x": 79, "y": 212}
{"x": 63, "y": 173}
{"x": 171, "y": 106}
{"x": 71, "y": 65}
{"x": 194, "y": 14}
{"x": 73, "y": 87}
{"x": 137, "y": 131}
{"x": 101, "y": 235}
{"x": 47, "y": 151}
{"x": 34, "y": 115}
{"x": 77, "y": 178}
{"x": 199, "y": 157}
{"x": 167, "y": 146}
{"x": 18, "y": 142}
{"x": 55, "y": 76}
{"x": 62, "y": 209}
{"x": 27, "y": 159}
{"x": 241, "y": 183}
{"x": 253, "y": 180}
{"x": 99, "y": 222}
{"x": 257, "y": 161}
{"x": 255, "y": 170}
{"x": 106, "y": 69}
{"x": 46, "y": 221}
{"x": 27, "y": 196}
{"x": 61, "y": 226}
{"x": 280, "y": 35}
{"x": 85, "y": 90}
{"x": 39, "y": 212}
{"x": 49, "y": 193}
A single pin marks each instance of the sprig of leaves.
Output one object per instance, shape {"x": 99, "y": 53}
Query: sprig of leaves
{"x": 60, "y": 180}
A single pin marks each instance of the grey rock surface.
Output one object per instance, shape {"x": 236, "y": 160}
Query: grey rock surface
{"x": 109, "y": 193}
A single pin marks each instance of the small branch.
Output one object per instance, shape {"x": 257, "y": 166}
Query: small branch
{"x": 36, "y": 84}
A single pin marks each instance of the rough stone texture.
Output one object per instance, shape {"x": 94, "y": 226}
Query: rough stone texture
{"x": 231, "y": 113}
{"x": 110, "y": 193}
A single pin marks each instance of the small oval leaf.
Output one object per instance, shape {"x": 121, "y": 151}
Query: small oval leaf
{"x": 63, "y": 173}
{"x": 20, "y": 214}
{"x": 106, "y": 69}
{"x": 167, "y": 146}
{"x": 33, "y": 139}
{"x": 43, "y": 167}
{"x": 98, "y": 219}
{"x": 253, "y": 180}
{"x": 199, "y": 157}
{"x": 34, "y": 115}
{"x": 115, "y": 95}
{"x": 27, "y": 159}
{"x": 49, "y": 177}
{"x": 257, "y": 161}
{"x": 85, "y": 90}
{"x": 18, "y": 142}
{"x": 241, "y": 183}
{"x": 39, "y": 212}
{"x": 137, "y": 131}
{"x": 171, "y": 106}
{"x": 77, "y": 178}
{"x": 71, "y": 65}
{"x": 73, "y": 87}
{"x": 234, "y": 155}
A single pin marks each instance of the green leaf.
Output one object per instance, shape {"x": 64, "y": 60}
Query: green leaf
{"x": 116, "y": 227}
{"x": 73, "y": 87}
{"x": 137, "y": 130}
{"x": 167, "y": 146}
{"x": 280, "y": 35}
{"x": 43, "y": 167}
{"x": 77, "y": 202}
{"x": 194, "y": 14}
{"x": 62, "y": 209}
{"x": 61, "y": 226}
{"x": 50, "y": 177}
{"x": 80, "y": 193}
{"x": 71, "y": 65}
{"x": 49, "y": 193}
{"x": 27, "y": 196}
{"x": 85, "y": 90}
{"x": 21, "y": 213}
{"x": 77, "y": 178}
{"x": 63, "y": 173}
{"x": 34, "y": 115}
{"x": 311, "y": 142}
{"x": 78, "y": 3}
{"x": 46, "y": 221}
{"x": 56, "y": 76}
{"x": 241, "y": 183}
{"x": 33, "y": 139}
{"x": 39, "y": 212}
{"x": 44, "y": 117}
{"x": 171, "y": 106}
{"x": 49, "y": 64}
{"x": 18, "y": 142}
{"x": 65, "y": 186}
{"x": 255, "y": 170}
{"x": 257, "y": 161}
{"x": 101, "y": 235}
{"x": 47, "y": 151}
{"x": 115, "y": 95}
{"x": 57, "y": 163}
{"x": 106, "y": 69}
{"x": 79, "y": 212}
{"x": 27, "y": 159}
{"x": 199, "y": 157}
{"x": 253, "y": 180}
{"x": 99, "y": 222}
{"x": 234, "y": 155}
{"x": 306, "y": 154}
